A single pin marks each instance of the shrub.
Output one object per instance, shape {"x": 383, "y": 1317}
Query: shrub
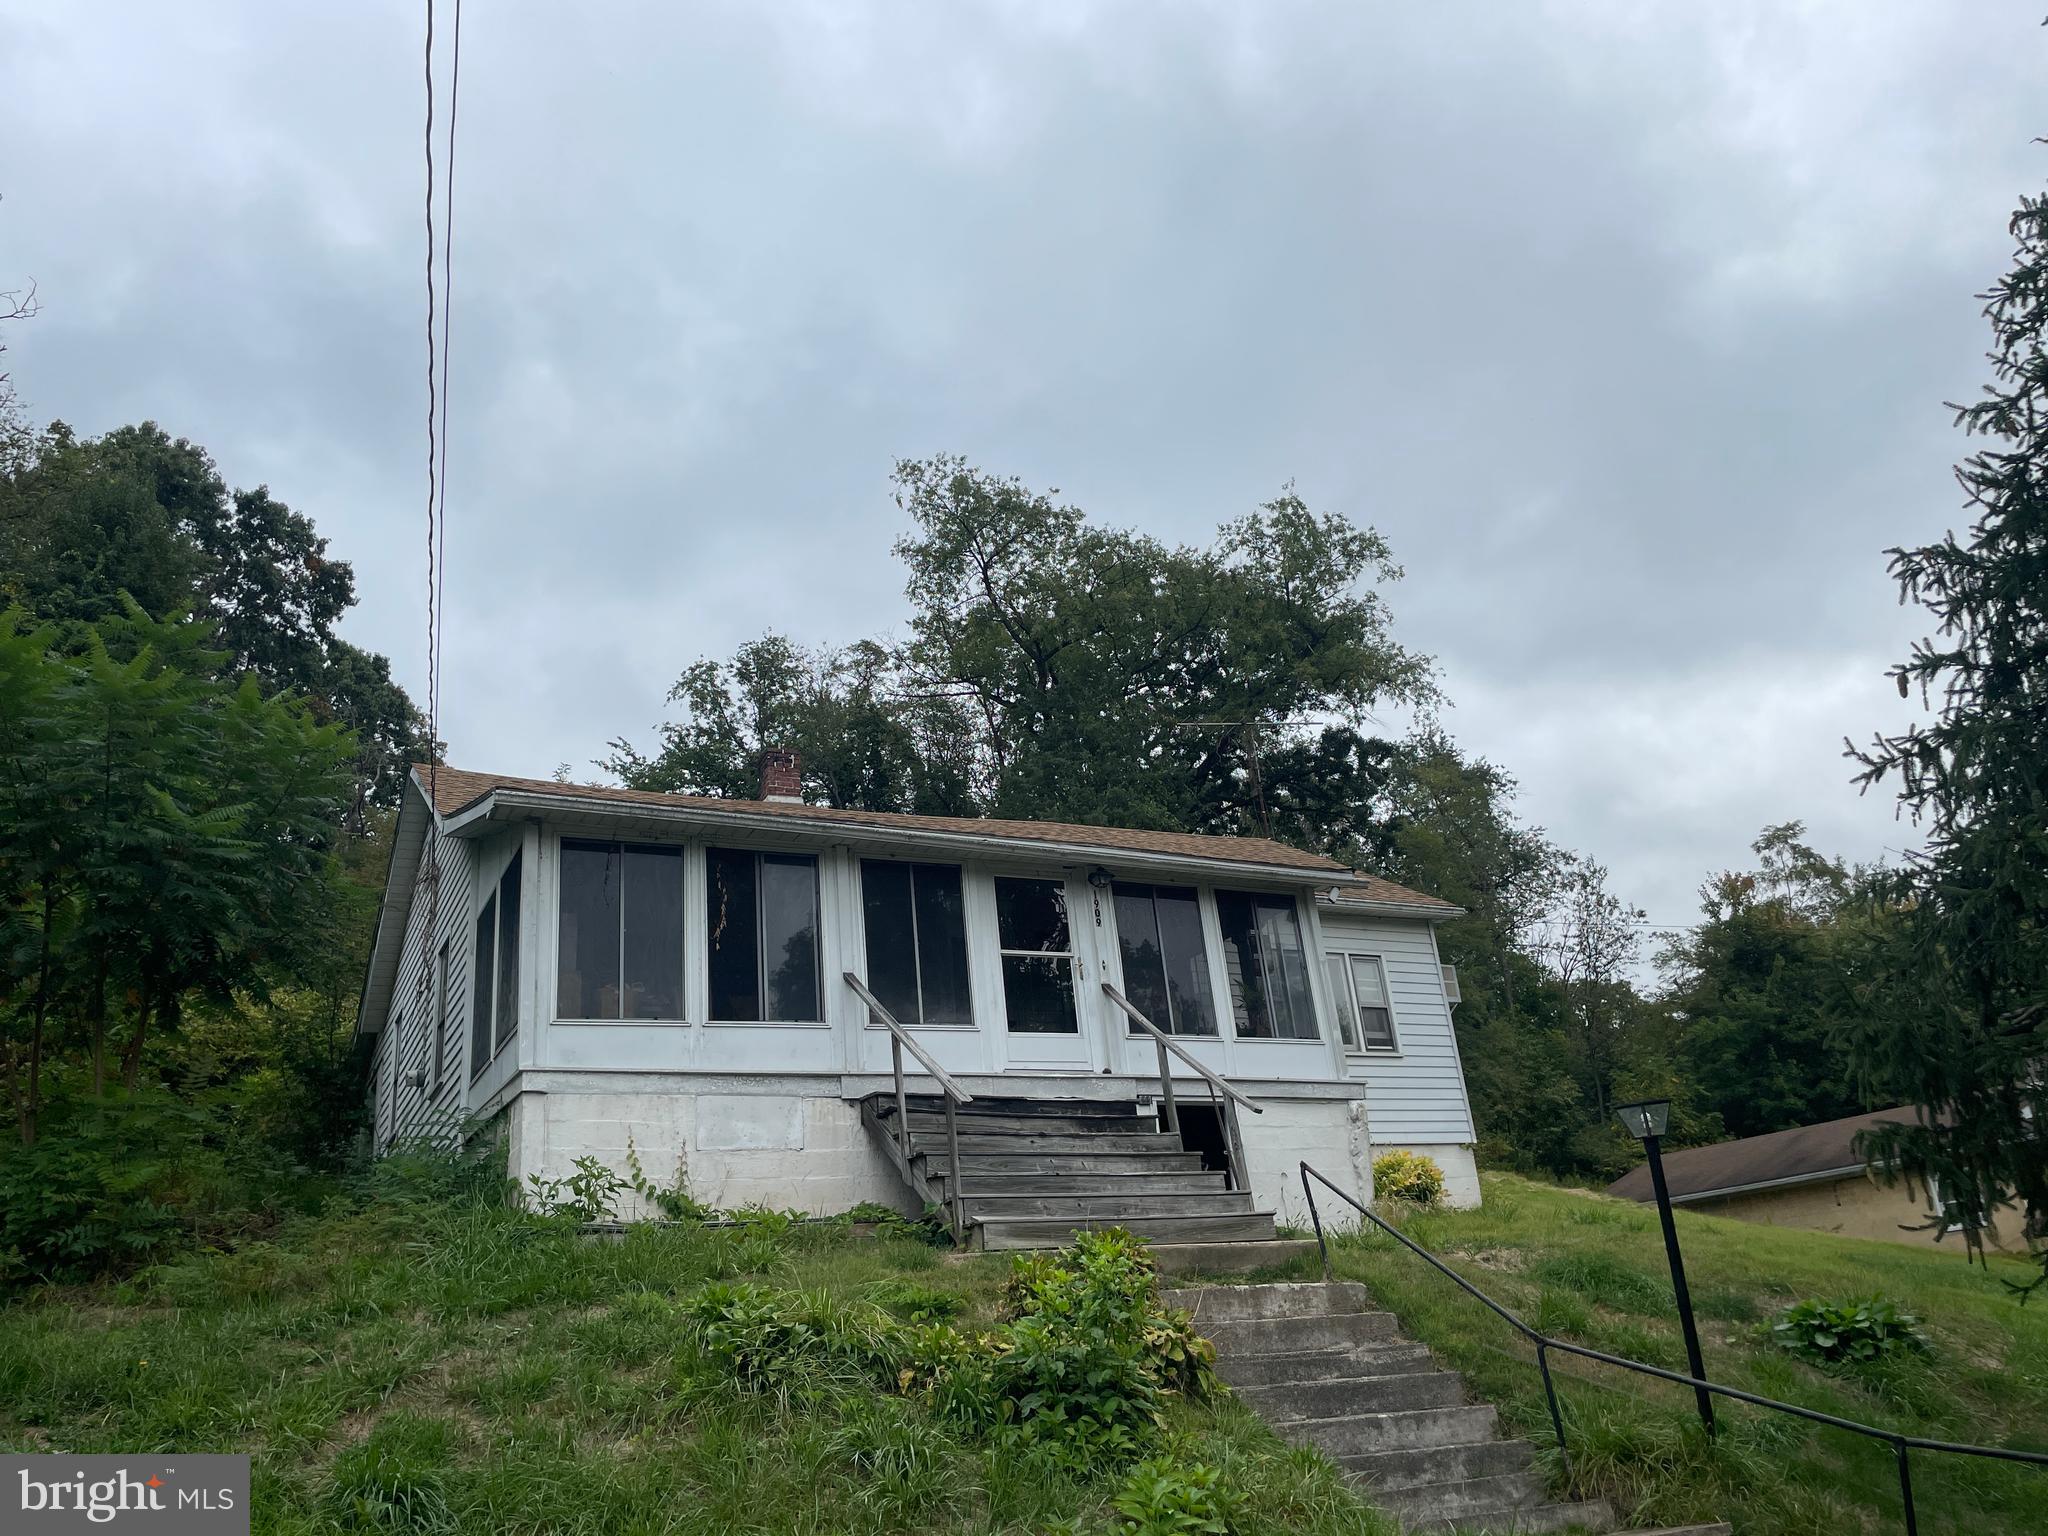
{"x": 108, "y": 1183}
{"x": 1165, "y": 1497}
{"x": 1089, "y": 1351}
{"x": 1084, "y": 1359}
{"x": 436, "y": 1171}
{"x": 1407, "y": 1176}
{"x": 1847, "y": 1333}
{"x": 780, "y": 1342}
{"x": 590, "y": 1193}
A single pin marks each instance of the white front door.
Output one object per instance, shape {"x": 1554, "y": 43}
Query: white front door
{"x": 1045, "y": 971}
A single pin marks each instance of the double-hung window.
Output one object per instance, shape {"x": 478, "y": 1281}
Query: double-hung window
{"x": 1365, "y": 1010}
{"x": 1166, "y": 962}
{"x": 1266, "y": 964}
{"x": 762, "y": 945}
{"x": 494, "y": 988}
{"x": 619, "y": 932}
{"x": 916, "y": 924}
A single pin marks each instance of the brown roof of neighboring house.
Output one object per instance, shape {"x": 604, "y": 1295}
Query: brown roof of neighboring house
{"x": 455, "y": 789}
{"x": 1804, "y": 1152}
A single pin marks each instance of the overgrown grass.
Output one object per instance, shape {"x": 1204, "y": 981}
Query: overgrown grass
{"x": 437, "y": 1363}
{"x": 1593, "y": 1270}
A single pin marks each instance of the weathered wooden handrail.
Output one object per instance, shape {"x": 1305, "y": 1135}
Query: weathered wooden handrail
{"x": 1226, "y": 1106}
{"x": 899, "y": 1039}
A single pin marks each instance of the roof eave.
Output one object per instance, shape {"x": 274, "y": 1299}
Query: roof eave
{"x": 1758, "y": 1186}
{"x": 506, "y": 804}
{"x": 394, "y": 910}
{"x": 1428, "y": 911}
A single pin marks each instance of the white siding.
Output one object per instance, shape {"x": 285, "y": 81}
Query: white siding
{"x": 1416, "y": 1094}
{"x": 408, "y": 1041}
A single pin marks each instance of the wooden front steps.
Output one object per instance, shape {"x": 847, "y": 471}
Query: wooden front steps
{"x": 1035, "y": 1171}
{"x": 1326, "y": 1368}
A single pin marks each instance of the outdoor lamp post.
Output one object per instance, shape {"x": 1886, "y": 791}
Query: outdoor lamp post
{"x": 1647, "y": 1120}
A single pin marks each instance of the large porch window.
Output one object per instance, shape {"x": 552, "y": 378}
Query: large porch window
{"x": 1266, "y": 963}
{"x": 916, "y": 924}
{"x": 494, "y": 982}
{"x": 1166, "y": 963}
{"x": 619, "y": 949}
{"x": 763, "y": 940}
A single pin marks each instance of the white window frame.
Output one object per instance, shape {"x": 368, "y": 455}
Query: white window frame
{"x": 554, "y": 933}
{"x": 821, "y": 904}
{"x": 1362, "y": 1048}
{"x": 859, "y": 923}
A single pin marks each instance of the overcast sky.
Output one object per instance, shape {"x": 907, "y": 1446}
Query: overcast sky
{"x": 1629, "y": 326}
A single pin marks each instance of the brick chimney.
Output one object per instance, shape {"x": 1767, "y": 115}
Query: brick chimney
{"x": 781, "y": 778}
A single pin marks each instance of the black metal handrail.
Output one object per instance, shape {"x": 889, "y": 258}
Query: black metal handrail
{"x": 1900, "y": 1443}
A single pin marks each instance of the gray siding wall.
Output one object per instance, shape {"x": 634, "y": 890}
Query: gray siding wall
{"x": 415, "y": 1037}
{"x": 1415, "y": 1095}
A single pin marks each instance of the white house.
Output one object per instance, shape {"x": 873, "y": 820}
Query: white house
{"x": 575, "y": 967}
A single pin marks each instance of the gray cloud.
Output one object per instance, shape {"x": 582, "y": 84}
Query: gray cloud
{"x": 1629, "y": 328}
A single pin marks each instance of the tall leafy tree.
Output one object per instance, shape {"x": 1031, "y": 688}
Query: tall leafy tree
{"x": 1063, "y": 670}
{"x": 863, "y": 744}
{"x": 86, "y": 524}
{"x": 1757, "y": 988}
{"x": 166, "y": 834}
{"x": 1958, "y": 1016}
{"x": 1110, "y": 677}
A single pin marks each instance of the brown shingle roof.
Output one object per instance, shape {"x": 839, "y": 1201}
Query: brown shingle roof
{"x": 1801, "y": 1152}
{"x": 456, "y": 789}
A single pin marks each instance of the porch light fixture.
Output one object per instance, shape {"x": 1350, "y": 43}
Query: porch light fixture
{"x": 1100, "y": 878}
{"x": 1647, "y": 1120}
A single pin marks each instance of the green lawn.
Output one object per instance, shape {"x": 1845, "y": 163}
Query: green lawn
{"x": 460, "y": 1367}
{"x": 473, "y": 1369}
{"x": 1592, "y": 1270}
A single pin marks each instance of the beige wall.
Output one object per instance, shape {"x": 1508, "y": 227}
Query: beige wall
{"x": 1855, "y": 1206}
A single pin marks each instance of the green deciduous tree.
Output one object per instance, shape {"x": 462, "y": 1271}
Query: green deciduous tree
{"x": 166, "y": 835}
{"x": 1758, "y": 988}
{"x": 1062, "y": 670}
{"x": 88, "y": 524}
{"x": 1958, "y": 1015}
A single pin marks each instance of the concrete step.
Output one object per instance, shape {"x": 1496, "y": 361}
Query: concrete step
{"x": 1086, "y": 1208}
{"x": 1105, "y": 1160}
{"x": 1053, "y": 1232}
{"x": 1333, "y": 1398}
{"x": 1230, "y": 1258}
{"x": 1323, "y": 1364}
{"x": 1467, "y": 1500}
{"x": 1362, "y": 1434}
{"x": 1139, "y": 1186}
{"x": 1589, "y": 1515}
{"x": 1437, "y": 1464}
{"x": 1222, "y": 1303}
{"x": 1291, "y": 1335}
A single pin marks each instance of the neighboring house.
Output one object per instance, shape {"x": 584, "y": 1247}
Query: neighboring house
{"x": 575, "y": 967}
{"x": 1810, "y": 1177}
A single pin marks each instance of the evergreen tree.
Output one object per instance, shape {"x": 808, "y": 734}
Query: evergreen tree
{"x": 1958, "y": 1016}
